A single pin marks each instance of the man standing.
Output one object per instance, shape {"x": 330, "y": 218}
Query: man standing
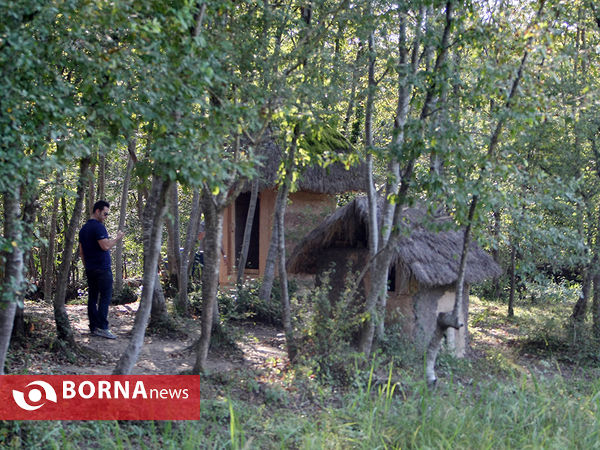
{"x": 94, "y": 248}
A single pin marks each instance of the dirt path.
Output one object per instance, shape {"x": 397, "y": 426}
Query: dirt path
{"x": 161, "y": 354}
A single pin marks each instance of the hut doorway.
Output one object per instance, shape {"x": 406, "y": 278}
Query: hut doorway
{"x": 242, "y": 204}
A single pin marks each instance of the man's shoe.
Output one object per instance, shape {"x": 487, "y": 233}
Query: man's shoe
{"x": 104, "y": 333}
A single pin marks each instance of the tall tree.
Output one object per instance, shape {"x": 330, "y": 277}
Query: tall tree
{"x": 182, "y": 301}
{"x": 49, "y": 272}
{"x": 152, "y": 236}
{"x": 243, "y": 257}
{"x": 454, "y": 318}
{"x": 12, "y": 282}
{"x": 63, "y": 326}
{"x": 118, "y": 257}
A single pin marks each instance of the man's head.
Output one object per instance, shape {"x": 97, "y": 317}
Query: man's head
{"x": 100, "y": 210}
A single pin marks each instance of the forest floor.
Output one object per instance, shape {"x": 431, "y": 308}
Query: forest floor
{"x": 164, "y": 352}
{"x": 531, "y": 343}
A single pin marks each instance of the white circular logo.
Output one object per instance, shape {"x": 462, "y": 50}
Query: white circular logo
{"x": 35, "y": 396}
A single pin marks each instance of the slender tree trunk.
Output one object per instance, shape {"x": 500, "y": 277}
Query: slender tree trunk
{"x": 280, "y": 203}
{"x": 182, "y": 303}
{"x": 30, "y": 195}
{"x": 269, "y": 276}
{"x": 453, "y": 319}
{"x": 580, "y": 308}
{"x": 496, "y": 250}
{"x": 65, "y": 214}
{"x": 247, "y": 233}
{"x": 152, "y": 230}
{"x": 596, "y": 302}
{"x": 118, "y": 255}
{"x": 352, "y": 100}
{"x": 286, "y": 311}
{"x": 142, "y": 195}
{"x": 91, "y": 190}
{"x": 283, "y": 280}
{"x": 43, "y": 256}
{"x": 375, "y": 303}
{"x": 373, "y": 292}
{"x": 12, "y": 283}
{"x": 50, "y": 254}
{"x": 213, "y": 214}
{"x": 393, "y": 183}
{"x": 102, "y": 178}
{"x": 193, "y": 249}
{"x": 63, "y": 327}
{"x": 513, "y": 281}
{"x": 174, "y": 241}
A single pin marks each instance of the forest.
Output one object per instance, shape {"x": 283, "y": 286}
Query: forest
{"x": 206, "y": 122}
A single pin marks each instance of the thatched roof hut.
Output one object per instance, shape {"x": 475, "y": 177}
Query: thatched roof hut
{"x": 334, "y": 178}
{"x": 422, "y": 282}
{"x": 433, "y": 256}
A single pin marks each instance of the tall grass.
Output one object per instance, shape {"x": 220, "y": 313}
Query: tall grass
{"x": 523, "y": 412}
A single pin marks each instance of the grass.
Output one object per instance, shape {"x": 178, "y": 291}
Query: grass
{"x": 524, "y": 387}
{"x": 526, "y": 413}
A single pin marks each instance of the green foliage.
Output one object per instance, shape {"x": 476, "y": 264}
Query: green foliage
{"x": 127, "y": 295}
{"x": 396, "y": 345}
{"x": 243, "y": 303}
{"x": 329, "y": 332}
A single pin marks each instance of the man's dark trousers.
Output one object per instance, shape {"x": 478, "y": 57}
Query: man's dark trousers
{"x": 100, "y": 282}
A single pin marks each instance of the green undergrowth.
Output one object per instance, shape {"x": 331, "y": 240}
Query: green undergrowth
{"x": 525, "y": 384}
{"x": 523, "y": 412}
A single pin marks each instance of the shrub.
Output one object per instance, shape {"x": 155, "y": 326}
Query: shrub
{"x": 330, "y": 332}
{"x": 127, "y": 295}
{"x": 244, "y": 303}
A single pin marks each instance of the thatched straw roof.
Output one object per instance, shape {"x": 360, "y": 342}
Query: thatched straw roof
{"x": 433, "y": 257}
{"x": 333, "y": 179}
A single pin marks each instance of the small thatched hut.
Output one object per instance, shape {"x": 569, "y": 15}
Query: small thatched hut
{"x": 313, "y": 200}
{"x": 422, "y": 281}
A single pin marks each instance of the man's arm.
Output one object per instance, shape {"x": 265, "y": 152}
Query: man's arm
{"x": 107, "y": 244}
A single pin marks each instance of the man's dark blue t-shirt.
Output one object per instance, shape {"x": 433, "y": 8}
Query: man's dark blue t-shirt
{"x": 95, "y": 258}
